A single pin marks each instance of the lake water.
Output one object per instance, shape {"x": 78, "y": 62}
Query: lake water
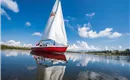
{"x": 21, "y": 65}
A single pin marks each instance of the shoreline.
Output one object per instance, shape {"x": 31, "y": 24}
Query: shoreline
{"x": 4, "y": 47}
{"x": 107, "y": 52}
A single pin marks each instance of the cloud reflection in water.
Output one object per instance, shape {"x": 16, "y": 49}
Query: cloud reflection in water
{"x": 84, "y": 59}
{"x": 89, "y": 75}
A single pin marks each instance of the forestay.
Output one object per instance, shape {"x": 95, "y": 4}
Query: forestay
{"x": 55, "y": 28}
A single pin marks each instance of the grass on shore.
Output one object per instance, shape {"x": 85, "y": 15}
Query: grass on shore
{"x": 13, "y": 47}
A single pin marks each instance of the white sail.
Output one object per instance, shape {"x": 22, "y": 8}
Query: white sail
{"x": 55, "y": 28}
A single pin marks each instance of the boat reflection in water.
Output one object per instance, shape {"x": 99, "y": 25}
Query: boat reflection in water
{"x": 50, "y": 66}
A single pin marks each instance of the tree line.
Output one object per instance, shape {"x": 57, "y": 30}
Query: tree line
{"x": 116, "y": 52}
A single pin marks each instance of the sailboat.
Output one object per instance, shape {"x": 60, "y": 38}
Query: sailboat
{"x": 54, "y": 31}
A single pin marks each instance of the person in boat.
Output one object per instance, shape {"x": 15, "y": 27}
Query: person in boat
{"x": 54, "y": 43}
{"x": 39, "y": 44}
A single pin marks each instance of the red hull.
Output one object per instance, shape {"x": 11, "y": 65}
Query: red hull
{"x": 49, "y": 49}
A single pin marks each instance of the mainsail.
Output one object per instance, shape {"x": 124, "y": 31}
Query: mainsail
{"x": 55, "y": 28}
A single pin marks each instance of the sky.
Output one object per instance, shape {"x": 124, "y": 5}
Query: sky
{"x": 89, "y": 24}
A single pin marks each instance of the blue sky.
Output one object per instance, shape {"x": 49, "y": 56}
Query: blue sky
{"x": 82, "y": 18}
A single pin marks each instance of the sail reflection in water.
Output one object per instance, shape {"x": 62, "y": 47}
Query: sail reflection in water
{"x": 54, "y": 69}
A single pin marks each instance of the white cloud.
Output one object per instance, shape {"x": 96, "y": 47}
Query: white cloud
{"x": 1, "y": 43}
{"x": 68, "y": 25}
{"x": 111, "y": 40}
{"x": 120, "y": 47}
{"x": 82, "y": 45}
{"x": 71, "y": 18}
{"x": 90, "y": 15}
{"x": 27, "y": 45}
{"x": 5, "y": 14}
{"x": 10, "y": 4}
{"x": 86, "y": 32}
{"x": 15, "y": 43}
{"x": 12, "y": 43}
{"x": 126, "y": 34}
{"x": 37, "y": 34}
{"x": 28, "y": 24}
{"x": 107, "y": 48}
{"x": 115, "y": 35}
{"x": 66, "y": 20}
{"x": 88, "y": 25}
